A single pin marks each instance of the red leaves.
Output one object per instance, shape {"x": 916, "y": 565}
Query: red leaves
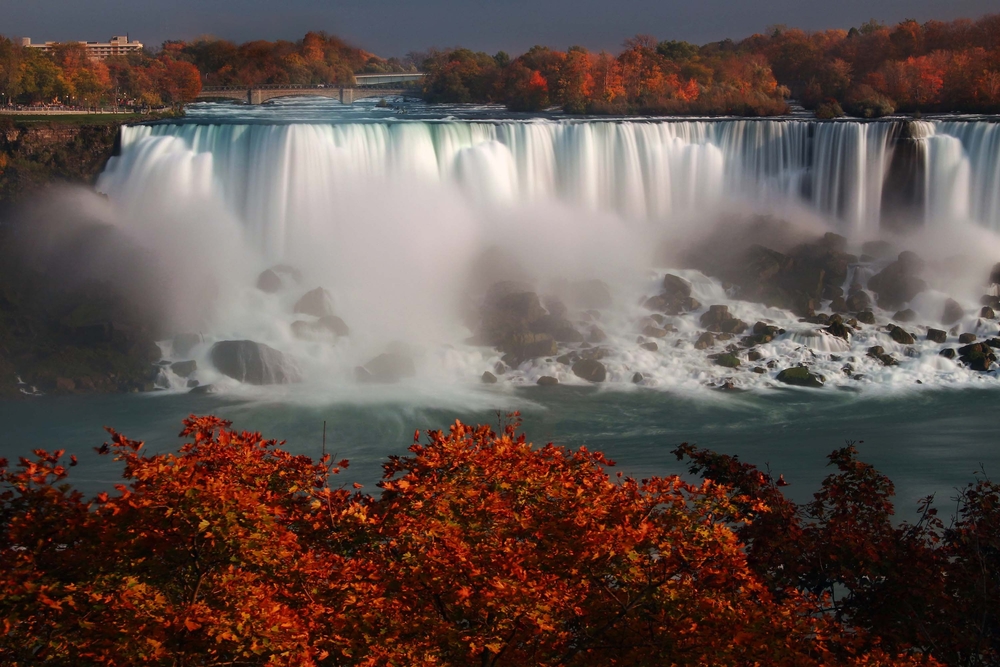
{"x": 481, "y": 548}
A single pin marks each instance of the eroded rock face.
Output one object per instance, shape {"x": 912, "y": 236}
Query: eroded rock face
{"x": 253, "y": 363}
{"x": 317, "y": 303}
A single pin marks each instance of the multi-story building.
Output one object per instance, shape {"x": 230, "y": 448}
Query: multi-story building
{"x": 116, "y": 46}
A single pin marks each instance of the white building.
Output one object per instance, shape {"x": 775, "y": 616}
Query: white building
{"x": 116, "y": 46}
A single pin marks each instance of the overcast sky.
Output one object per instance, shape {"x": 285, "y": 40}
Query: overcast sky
{"x": 395, "y": 27}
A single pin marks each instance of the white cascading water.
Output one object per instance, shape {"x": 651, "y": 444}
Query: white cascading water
{"x": 376, "y": 211}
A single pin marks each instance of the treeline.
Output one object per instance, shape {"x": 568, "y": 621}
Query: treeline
{"x": 876, "y": 69}
{"x": 175, "y": 75}
{"x": 669, "y": 77}
{"x": 67, "y": 76}
{"x": 869, "y": 71}
{"x": 318, "y": 58}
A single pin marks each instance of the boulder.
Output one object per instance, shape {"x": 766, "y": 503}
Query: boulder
{"x": 636, "y": 377}
{"x": 387, "y": 368}
{"x": 252, "y": 363}
{"x": 278, "y": 278}
{"x": 866, "y": 317}
{"x": 948, "y": 353}
{"x": 733, "y": 325}
{"x": 900, "y": 335}
{"x": 953, "y": 312}
{"x": 898, "y": 283}
{"x": 690, "y": 303}
{"x": 597, "y": 335}
{"x": 840, "y": 330}
{"x": 714, "y": 316}
{"x": 269, "y": 281}
{"x": 590, "y": 370}
{"x": 839, "y": 305}
{"x": 489, "y": 378}
{"x": 654, "y": 331}
{"x": 547, "y": 381}
{"x": 705, "y": 341}
{"x": 907, "y": 315}
{"x": 878, "y": 352}
{"x": 317, "y": 303}
{"x": 967, "y": 338}
{"x": 675, "y": 288}
{"x": 651, "y": 346}
{"x": 937, "y": 336}
{"x": 987, "y": 313}
{"x": 184, "y": 368}
{"x": 727, "y": 361}
{"x": 754, "y": 355}
{"x": 858, "y": 301}
{"x": 977, "y": 356}
{"x": 334, "y": 325}
{"x": 800, "y": 376}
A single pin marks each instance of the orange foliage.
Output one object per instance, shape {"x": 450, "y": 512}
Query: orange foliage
{"x": 481, "y": 549}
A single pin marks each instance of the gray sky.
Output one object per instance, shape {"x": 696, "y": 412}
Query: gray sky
{"x": 395, "y": 27}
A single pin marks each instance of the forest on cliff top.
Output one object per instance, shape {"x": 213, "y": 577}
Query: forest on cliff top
{"x": 868, "y": 71}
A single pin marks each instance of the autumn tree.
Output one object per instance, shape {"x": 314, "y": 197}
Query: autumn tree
{"x": 480, "y": 549}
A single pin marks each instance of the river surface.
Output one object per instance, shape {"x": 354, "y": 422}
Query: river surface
{"x": 927, "y": 441}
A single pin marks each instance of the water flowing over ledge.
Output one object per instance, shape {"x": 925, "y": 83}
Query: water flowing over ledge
{"x": 945, "y": 170}
{"x": 389, "y": 216}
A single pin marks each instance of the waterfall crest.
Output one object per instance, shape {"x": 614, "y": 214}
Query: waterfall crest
{"x": 642, "y": 170}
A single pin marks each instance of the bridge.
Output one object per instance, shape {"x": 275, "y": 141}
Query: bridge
{"x": 366, "y": 85}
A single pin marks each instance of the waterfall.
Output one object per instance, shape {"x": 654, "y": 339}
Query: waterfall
{"x": 408, "y": 222}
{"x": 642, "y": 170}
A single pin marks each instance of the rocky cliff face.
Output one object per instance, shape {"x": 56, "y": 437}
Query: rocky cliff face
{"x": 60, "y": 333}
{"x": 33, "y": 155}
